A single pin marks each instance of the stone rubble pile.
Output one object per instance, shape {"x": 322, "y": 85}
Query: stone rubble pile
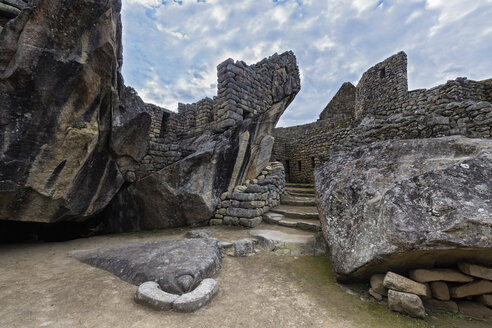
{"x": 466, "y": 290}
{"x": 247, "y": 203}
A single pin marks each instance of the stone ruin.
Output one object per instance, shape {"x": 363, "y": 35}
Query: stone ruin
{"x": 88, "y": 152}
{"x": 403, "y": 183}
{"x": 403, "y": 178}
{"x": 379, "y": 108}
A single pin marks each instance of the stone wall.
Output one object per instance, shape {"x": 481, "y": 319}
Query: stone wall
{"x": 342, "y": 105}
{"x": 243, "y": 92}
{"x": 247, "y": 203}
{"x": 384, "y": 109}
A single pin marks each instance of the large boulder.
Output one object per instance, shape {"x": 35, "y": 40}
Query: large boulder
{"x": 396, "y": 204}
{"x": 60, "y": 86}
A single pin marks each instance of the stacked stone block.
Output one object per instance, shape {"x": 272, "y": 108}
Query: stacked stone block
{"x": 466, "y": 288}
{"x": 243, "y": 91}
{"x": 163, "y": 150}
{"x": 246, "y": 91}
{"x": 204, "y": 114}
{"x": 247, "y": 203}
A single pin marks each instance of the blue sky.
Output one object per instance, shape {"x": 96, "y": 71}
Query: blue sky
{"x": 172, "y": 48}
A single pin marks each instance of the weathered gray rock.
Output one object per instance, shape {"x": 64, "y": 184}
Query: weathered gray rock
{"x": 486, "y": 300}
{"x": 178, "y": 266}
{"x": 150, "y": 293}
{"x": 244, "y": 247}
{"x": 440, "y": 306}
{"x": 440, "y": 290}
{"x": 401, "y": 203}
{"x": 406, "y": 303}
{"x": 475, "y": 310}
{"x": 427, "y": 275}
{"x": 377, "y": 284}
{"x": 399, "y": 283}
{"x": 376, "y": 295}
{"x": 60, "y": 80}
{"x": 473, "y": 288}
{"x": 130, "y": 127}
{"x": 197, "y": 298}
{"x": 288, "y": 244}
{"x": 475, "y": 270}
{"x": 19, "y": 4}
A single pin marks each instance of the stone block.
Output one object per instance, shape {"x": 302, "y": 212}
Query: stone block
{"x": 244, "y": 247}
{"x": 440, "y": 306}
{"x": 231, "y": 220}
{"x": 377, "y": 284}
{"x": 243, "y": 212}
{"x": 243, "y": 197}
{"x": 486, "y": 299}
{"x": 476, "y": 270}
{"x": 399, "y": 283}
{"x": 250, "y": 223}
{"x": 427, "y": 275}
{"x": 214, "y": 222}
{"x": 475, "y": 310}
{"x": 473, "y": 288}
{"x": 226, "y": 123}
{"x": 377, "y": 296}
{"x": 406, "y": 303}
{"x": 440, "y": 290}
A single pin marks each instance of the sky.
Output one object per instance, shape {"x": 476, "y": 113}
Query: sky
{"x": 171, "y": 48}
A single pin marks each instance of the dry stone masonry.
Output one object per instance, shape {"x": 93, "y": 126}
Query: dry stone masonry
{"x": 243, "y": 92}
{"x": 466, "y": 288}
{"x": 247, "y": 203}
{"x": 384, "y": 109}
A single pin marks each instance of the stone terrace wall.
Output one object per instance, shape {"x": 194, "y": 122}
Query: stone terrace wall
{"x": 458, "y": 107}
{"x": 243, "y": 92}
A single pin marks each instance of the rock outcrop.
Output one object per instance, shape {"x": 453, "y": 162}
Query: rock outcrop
{"x": 72, "y": 134}
{"x": 398, "y": 204}
{"x": 60, "y": 86}
{"x": 178, "y": 266}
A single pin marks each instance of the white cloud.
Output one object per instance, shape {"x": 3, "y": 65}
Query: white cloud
{"x": 171, "y": 51}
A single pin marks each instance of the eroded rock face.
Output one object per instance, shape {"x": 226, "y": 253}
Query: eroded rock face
{"x": 397, "y": 203}
{"x": 59, "y": 81}
{"x": 178, "y": 266}
{"x": 71, "y": 132}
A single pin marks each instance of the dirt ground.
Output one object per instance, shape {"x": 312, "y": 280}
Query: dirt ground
{"x": 42, "y": 286}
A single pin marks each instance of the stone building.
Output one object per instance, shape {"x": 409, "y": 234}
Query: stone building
{"x": 380, "y": 107}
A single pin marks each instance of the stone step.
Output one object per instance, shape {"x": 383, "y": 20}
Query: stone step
{"x": 295, "y": 194}
{"x": 298, "y": 201}
{"x": 279, "y": 219}
{"x": 309, "y": 191}
{"x": 299, "y": 185}
{"x": 289, "y": 244}
{"x": 297, "y": 212}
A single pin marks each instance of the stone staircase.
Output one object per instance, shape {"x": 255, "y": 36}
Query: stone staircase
{"x": 297, "y": 230}
{"x": 297, "y": 208}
